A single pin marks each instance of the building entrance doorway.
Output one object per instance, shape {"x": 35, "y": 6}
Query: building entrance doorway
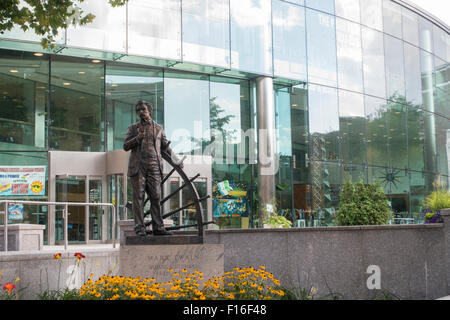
{"x": 84, "y": 223}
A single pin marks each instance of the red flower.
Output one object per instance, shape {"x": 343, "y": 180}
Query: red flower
{"x": 79, "y": 256}
{"x": 57, "y": 256}
{"x": 9, "y": 286}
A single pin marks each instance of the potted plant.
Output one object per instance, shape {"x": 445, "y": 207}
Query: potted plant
{"x": 436, "y": 201}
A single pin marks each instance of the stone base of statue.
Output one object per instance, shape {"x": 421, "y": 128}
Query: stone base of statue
{"x": 154, "y": 261}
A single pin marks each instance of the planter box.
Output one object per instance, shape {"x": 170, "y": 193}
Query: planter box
{"x": 23, "y": 237}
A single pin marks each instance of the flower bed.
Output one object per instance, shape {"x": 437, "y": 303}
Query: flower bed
{"x": 246, "y": 283}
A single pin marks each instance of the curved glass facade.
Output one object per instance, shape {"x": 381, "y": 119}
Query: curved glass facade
{"x": 361, "y": 91}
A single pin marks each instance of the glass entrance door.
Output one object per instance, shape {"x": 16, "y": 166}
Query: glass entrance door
{"x": 71, "y": 189}
{"x": 95, "y": 213}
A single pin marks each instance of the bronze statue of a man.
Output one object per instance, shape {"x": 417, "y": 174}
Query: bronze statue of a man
{"x": 148, "y": 144}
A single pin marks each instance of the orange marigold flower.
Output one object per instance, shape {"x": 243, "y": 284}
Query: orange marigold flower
{"x": 57, "y": 256}
{"x": 79, "y": 255}
{"x": 9, "y": 286}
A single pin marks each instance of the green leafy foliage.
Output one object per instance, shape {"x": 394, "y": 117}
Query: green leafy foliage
{"x": 437, "y": 200}
{"x": 45, "y": 17}
{"x": 276, "y": 220}
{"x": 362, "y": 205}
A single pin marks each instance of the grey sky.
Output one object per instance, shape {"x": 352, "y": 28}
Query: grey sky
{"x": 439, "y": 8}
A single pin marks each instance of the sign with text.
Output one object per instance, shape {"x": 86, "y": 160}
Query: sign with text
{"x": 22, "y": 181}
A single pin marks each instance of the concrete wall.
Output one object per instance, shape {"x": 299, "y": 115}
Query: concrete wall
{"x": 411, "y": 258}
{"x": 39, "y": 271}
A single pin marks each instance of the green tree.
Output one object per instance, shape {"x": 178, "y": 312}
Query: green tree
{"x": 362, "y": 205}
{"x": 45, "y": 17}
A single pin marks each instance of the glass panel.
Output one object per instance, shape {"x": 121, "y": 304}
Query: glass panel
{"x": 230, "y": 121}
{"x": 95, "y": 213}
{"x": 417, "y": 195}
{"x": 23, "y": 100}
{"x": 354, "y": 173}
{"x": 76, "y": 106}
{"x": 349, "y": 55}
{"x": 413, "y": 81}
{"x": 323, "y": 123}
{"x": 321, "y": 37}
{"x": 189, "y": 215}
{"x": 381, "y": 176}
{"x": 352, "y": 127}
{"x": 399, "y": 196}
{"x": 234, "y": 145}
{"x": 392, "y": 18}
{"x": 430, "y": 143}
{"x": 289, "y": 40}
{"x": 325, "y": 185}
{"x": 116, "y": 197}
{"x": 283, "y": 121}
{"x": 174, "y": 202}
{"x": 283, "y": 177}
{"x": 415, "y": 139}
{"x": 125, "y": 86}
{"x": 71, "y": 189}
{"x": 323, "y": 5}
{"x": 397, "y": 118}
{"x": 300, "y": 145}
{"x": 149, "y": 30}
{"x": 376, "y": 131}
{"x": 427, "y": 71}
{"x": 372, "y": 14}
{"x": 251, "y": 36}
{"x": 188, "y": 99}
{"x": 443, "y": 144}
{"x": 442, "y": 108}
{"x": 425, "y": 34}
{"x": 107, "y": 32}
{"x": 235, "y": 209}
{"x": 410, "y": 26}
{"x": 442, "y": 87}
{"x": 348, "y": 9}
{"x": 373, "y": 62}
{"x": 395, "y": 75}
{"x": 206, "y": 32}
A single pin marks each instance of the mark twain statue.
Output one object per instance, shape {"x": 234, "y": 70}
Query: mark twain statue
{"x": 148, "y": 144}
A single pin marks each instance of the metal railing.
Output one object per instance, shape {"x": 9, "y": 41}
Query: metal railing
{"x": 65, "y": 217}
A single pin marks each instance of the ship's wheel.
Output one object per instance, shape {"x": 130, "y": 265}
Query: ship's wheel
{"x": 190, "y": 187}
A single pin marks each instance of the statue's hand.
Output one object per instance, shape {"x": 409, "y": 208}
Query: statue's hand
{"x": 140, "y": 136}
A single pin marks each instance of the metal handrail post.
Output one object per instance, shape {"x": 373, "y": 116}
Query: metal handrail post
{"x": 66, "y": 226}
{"x": 5, "y": 228}
{"x": 114, "y": 226}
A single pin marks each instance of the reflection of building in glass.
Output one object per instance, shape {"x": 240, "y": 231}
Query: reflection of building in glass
{"x": 348, "y": 90}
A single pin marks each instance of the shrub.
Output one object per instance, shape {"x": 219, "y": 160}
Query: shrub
{"x": 362, "y": 205}
{"x": 437, "y": 200}
{"x": 275, "y": 221}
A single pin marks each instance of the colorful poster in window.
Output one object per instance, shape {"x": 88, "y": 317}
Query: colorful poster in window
{"x": 15, "y": 211}
{"x": 22, "y": 181}
{"x": 230, "y": 189}
{"x": 230, "y": 208}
